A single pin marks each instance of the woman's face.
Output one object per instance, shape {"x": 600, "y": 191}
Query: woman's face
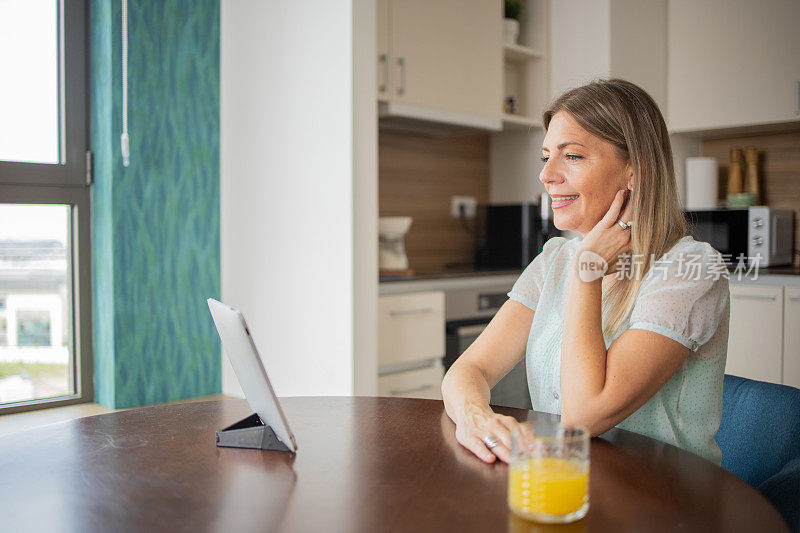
{"x": 582, "y": 173}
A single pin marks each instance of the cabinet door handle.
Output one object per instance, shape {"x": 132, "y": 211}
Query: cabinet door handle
{"x": 384, "y": 60}
{"x": 420, "y": 311}
{"x": 754, "y": 297}
{"x": 794, "y": 298}
{"x": 401, "y": 62}
{"x": 395, "y": 392}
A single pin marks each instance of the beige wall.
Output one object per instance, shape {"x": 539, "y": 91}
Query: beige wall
{"x": 418, "y": 175}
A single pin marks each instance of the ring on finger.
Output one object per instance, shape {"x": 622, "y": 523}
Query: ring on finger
{"x": 491, "y": 441}
{"x": 624, "y": 225}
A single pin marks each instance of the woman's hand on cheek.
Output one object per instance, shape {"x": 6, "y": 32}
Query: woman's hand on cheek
{"x": 607, "y": 239}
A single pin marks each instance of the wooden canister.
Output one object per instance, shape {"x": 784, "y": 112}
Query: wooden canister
{"x": 735, "y": 174}
{"x": 751, "y": 181}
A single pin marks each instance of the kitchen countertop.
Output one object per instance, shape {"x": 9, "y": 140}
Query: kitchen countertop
{"x": 782, "y": 275}
{"x": 451, "y": 280}
{"x": 781, "y": 271}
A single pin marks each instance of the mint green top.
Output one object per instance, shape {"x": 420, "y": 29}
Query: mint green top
{"x": 684, "y": 297}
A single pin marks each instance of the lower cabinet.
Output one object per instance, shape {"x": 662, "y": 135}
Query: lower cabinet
{"x": 755, "y": 341}
{"x": 763, "y": 343}
{"x": 410, "y": 327}
{"x": 791, "y": 337}
{"x": 411, "y": 345}
{"x": 419, "y": 383}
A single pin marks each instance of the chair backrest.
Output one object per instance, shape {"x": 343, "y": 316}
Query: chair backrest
{"x": 760, "y": 429}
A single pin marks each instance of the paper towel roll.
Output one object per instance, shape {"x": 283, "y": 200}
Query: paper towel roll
{"x": 701, "y": 182}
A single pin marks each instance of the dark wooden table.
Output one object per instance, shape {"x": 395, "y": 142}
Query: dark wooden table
{"x": 364, "y": 464}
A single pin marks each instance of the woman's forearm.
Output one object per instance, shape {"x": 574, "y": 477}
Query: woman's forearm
{"x": 465, "y": 391}
{"x": 583, "y": 349}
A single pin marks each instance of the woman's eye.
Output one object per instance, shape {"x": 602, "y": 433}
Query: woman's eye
{"x": 544, "y": 159}
{"x": 573, "y": 157}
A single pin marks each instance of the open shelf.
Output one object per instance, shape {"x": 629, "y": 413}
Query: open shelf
{"x": 525, "y": 69}
{"x": 517, "y": 52}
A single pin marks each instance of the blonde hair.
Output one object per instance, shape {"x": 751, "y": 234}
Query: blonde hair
{"x": 624, "y": 115}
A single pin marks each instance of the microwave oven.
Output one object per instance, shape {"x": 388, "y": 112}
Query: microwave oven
{"x": 756, "y": 231}
{"x": 509, "y": 236}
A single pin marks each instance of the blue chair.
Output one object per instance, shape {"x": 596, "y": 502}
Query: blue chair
{"x": 760, "y": 440}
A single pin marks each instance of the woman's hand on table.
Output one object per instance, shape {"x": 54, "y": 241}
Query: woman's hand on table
{"x": 608, "y": 239}
{"x": 479, "y": 422}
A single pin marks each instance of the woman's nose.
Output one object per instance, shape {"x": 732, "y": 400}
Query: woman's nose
{"x": 550, "y": 174}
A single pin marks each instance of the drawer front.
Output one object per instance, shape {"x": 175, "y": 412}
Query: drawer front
{"x": 755, "y": 340}
{"x": 791, "y": 337}
{"x": 410, "y": 327}
{"x": 421, "y": 383}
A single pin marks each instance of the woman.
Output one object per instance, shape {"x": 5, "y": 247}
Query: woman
{"x": 624, "y": 326}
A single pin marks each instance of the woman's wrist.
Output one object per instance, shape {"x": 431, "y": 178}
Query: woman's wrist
{"x": 588, "y": 267}
{"x": 473, "y": 412}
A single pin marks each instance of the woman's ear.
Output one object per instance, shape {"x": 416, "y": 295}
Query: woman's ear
{"x": 629, "y": 176}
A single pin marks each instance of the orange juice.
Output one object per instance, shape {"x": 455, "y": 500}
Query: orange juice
{"x": 547, "y": 486}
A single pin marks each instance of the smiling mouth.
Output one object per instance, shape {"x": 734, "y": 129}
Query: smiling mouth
{"x": 559, "y": 201}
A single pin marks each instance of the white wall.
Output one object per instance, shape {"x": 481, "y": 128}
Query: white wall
{"x": 579, "y": 42}
{"x": 514, "y": 166}
{"x": 609, "y": 38}
{"x": 288, "y": 172}
{"x": 683, "y": 146}
{"x": 365, "y": 199}
{"x": 639, "y": 45}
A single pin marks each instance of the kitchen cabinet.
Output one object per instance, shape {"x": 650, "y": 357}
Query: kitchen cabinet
{"x": 791, "y": 337}
{"x": 418, "y": 383}
{"x": 411, "y": 344}
{"x": 441, "y": 60}
{"x": 755, "y": 341}
{"x": 410, "y": 328}
{"x": 732, "y": 63}
{"x": 383, "y": 71}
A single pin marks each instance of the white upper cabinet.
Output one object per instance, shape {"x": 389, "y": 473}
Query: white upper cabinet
{"x": 384, "y": 71}
{"x": 445, "y": 56}
{"x": 732, "y": 63}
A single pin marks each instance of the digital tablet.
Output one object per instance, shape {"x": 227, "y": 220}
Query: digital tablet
{"x": 241, "y": 351}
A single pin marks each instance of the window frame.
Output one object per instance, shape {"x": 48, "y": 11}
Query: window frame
{"x": 66, "y": 183}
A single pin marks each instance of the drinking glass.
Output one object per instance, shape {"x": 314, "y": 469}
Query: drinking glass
{"x": 548, "y": 478}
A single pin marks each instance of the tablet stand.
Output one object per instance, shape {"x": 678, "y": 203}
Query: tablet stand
{"x": 250, "y": 432}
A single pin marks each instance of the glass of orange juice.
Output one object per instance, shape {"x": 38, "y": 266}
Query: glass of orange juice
{"x": 548, "y": 477}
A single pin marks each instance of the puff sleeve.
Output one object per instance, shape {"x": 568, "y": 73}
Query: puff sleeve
{"x": 528, "y": 287}
{"x": 684, "y": 296}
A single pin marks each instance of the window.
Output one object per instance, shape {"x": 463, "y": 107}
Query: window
{"x": 45, "y": 314}
{"x": 30, "y": 130}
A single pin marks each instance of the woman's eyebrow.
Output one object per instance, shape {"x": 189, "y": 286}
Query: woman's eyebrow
{"x": 562, "y": 145}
